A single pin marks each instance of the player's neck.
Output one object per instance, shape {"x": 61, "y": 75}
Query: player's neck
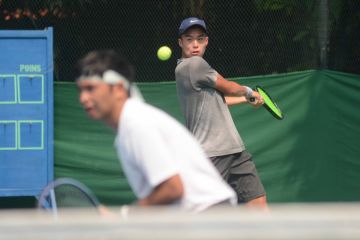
{"x": 115, "y": 116}
{"x": 184, "y": 56}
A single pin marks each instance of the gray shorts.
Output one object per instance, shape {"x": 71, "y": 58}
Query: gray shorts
{"x": 240, "y": 172}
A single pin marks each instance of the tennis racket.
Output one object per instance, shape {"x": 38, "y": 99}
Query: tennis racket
{"x": 269, "y": 103}
{"x": 66, "y": 193}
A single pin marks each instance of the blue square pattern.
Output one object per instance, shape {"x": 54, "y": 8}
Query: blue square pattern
{"x": 7, "y": 89}
{"x": 7, "y": 135}
{"x": 31, "y": 88}
{"x": 31, "y": 135}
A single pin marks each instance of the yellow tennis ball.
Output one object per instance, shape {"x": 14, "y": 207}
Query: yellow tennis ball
{"x": 164, "y": 53}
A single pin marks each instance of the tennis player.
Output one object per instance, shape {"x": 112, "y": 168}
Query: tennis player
{"x": 204, "y": 96}
{"x": 163, "y": 162}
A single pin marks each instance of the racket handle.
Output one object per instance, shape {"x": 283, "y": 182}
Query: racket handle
{"x": 253, "y": 100}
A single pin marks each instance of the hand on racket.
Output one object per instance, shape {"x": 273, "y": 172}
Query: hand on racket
{"x": 269, "y": 103}
{"x": 256, "y": 100}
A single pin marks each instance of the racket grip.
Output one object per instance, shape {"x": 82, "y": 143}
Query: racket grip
{"x": 249, "y": 93}
{"x": 253, "y": 100}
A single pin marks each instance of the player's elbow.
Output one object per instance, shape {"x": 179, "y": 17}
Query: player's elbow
{"x": 174, "y": 188}
{"x": 175, "y": 195}
{"x": 179, "y": 192}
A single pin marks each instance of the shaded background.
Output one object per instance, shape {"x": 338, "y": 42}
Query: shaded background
{"x": 247, "y": 37}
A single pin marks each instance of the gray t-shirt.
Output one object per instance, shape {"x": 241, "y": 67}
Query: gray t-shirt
{"x": 206, "y": 113}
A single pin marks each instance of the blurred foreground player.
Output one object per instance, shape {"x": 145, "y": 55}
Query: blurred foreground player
{"x": 163, "y": 162}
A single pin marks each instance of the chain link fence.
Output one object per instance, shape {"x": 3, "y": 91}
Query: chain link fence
{"x": 246, "y": 38}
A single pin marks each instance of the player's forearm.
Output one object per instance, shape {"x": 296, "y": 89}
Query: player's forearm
{"x": 236, "y": 90}
{"x": 159, "y": 198}
{"x": 235, "y": 100}
{"x": 167, "y": 192}
{"x": 230, "y": 88}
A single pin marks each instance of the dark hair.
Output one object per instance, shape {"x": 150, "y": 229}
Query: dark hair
{"x": 97, "y": 62}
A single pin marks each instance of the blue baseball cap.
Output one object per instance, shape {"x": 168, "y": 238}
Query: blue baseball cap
{"x": 189, "y": 22}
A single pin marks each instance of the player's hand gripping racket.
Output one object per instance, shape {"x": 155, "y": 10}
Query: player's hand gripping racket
{"x": 269, "y": 103}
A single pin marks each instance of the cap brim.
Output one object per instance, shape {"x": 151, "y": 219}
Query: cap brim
{"x": 181, "y": 32}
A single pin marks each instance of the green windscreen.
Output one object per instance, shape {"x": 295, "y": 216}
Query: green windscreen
{"x": 312, "y": 155}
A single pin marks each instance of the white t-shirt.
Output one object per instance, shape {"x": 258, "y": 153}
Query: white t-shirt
{"x": 153, "y": 147}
